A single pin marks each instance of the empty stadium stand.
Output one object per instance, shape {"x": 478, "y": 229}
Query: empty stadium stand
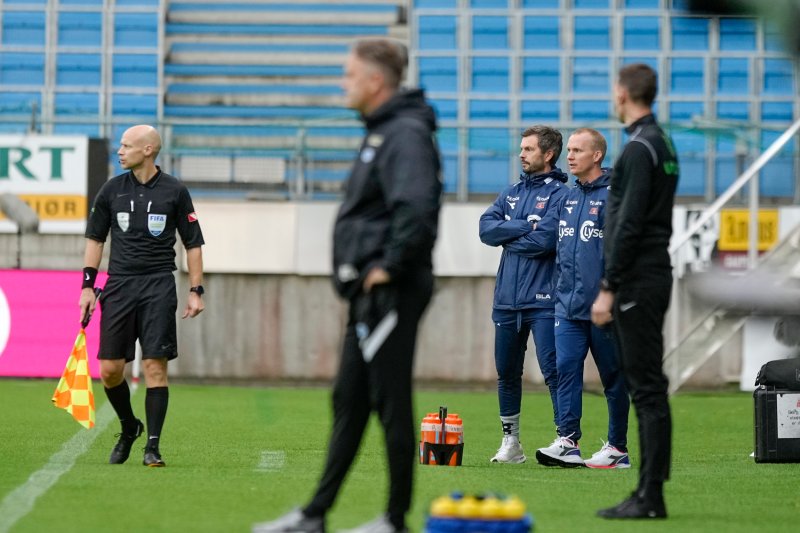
{"x": 247, "y": 93}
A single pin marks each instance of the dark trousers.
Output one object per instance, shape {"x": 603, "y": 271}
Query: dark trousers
{"x": 511, "y": 329}
{"x": 383, "y": 385}
{"x": 639, "y": 319}
{"x": 574, "y": 339}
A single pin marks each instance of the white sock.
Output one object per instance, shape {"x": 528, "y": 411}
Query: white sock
{"x": 510, "y": 425}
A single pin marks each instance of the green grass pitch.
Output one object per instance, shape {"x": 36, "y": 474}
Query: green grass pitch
{"x": 239, "y": 455}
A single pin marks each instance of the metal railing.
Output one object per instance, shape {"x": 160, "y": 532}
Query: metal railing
{"x": 680, "y": 368}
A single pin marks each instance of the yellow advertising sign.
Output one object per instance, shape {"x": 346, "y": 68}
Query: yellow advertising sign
{"x": 56, "y": 206}
{"x": 734, "y": 229}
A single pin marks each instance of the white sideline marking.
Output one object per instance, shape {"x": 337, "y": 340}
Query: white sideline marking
{"x": 19, "y": 502}
{"x": 271, "y": 461}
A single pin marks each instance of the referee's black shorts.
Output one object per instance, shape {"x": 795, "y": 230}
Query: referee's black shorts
{"x": 139, "y": 307}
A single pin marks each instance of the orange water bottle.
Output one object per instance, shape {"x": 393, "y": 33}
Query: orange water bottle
{"x": 428, "y": 432}
{"x": 454, "y": 433}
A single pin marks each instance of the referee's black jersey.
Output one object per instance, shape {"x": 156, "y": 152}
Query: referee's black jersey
{"x": 143, "y": 220}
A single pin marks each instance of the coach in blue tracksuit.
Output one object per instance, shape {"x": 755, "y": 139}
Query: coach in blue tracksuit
{"x": 580, "y": 268}
{"x": 523, "y": 221}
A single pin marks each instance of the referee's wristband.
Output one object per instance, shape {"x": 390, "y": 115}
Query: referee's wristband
{"x": 89, "y": 276}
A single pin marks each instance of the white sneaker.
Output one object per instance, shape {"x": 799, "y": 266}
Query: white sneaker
{"x": 563, "y": 452}
{"x": 379, "y": 525}
{"x": 609, "y": 457}
{"x": 510, "y": 451}
{"x": 293, "y": 521}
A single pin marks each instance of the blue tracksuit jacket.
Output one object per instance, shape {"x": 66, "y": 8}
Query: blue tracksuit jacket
{"x": 580, "y": 247}
{"x": 526, "y": 276}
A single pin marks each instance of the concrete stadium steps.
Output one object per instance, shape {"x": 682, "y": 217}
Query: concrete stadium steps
{"x": 274, "y": 69}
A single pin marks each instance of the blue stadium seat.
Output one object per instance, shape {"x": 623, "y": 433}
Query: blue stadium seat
{"x": 551, "y": 4}
{"x": 490, "y": 32}
{"x": 689, "y": 33}
{"x": 733, "y": 111}
{"x": 77, "y": 104}
{"x": 592, "y": 33}
{"x": 591, "y": 75}
{"x": 21, "y": 68}
{"x": 642, "y": 33}
{"x": 685, "y": 111}
{"x": 777, "y": 111}
{"x": 279, "y": 29}
{"x": 733, "y": 76}
{"x": 777, "y": 178}
{"x": 132, "y": 3}
{"x": 78, "y": 69}
{"x": 488, "y": 110}
{"x": 445, "y": 109}
{"x": 643, "y": 4}
{"x": 541, "y": 75}
{"x": 80, "y": 28}
{"x": 489, "y": 3}
{"x": 436, "y": 4}
{"x": 24, "y": 28}
{"x": 535, "y": 111}
{"x": 135, "y": 70}
{"x": 737, "y": 34}
{"x": 778, "y": 77}
{"x": 488, "y": 164}
{"x": 650, "y": 61}
{"x": 540, "y": 33}
{"x": 145, "y": 105}
{"x": 591, "y": 110}
{"x": 26, "y": 2}
{"x": 16, "y": 103}
{"x": 687, "y": 76}
{"x": 591, "y": 4}
{"x": 773, "y": 40}
{"x": 437, "y": 33}
{"x": 84, "y": 2}
{"x": 692, "y": 149}
{"x": 490, "y": 74}
{"x": 438, "y": 73}
{"x": 90, "y": 130}
{"x": 139, "y": 30}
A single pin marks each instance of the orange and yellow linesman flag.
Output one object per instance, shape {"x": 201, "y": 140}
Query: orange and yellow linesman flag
{"x": 74, "y": 390}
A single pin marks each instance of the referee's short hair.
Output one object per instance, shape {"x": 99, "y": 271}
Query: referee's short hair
{"x": 641, "y": 82}
{"x": 391, "y": 57}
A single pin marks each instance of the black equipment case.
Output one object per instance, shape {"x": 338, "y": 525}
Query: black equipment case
{"x": 777, "y": 425}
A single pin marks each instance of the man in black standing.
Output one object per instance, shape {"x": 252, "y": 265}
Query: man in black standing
{"x": 142, "y": 209}
{"x": 635, "y": 290}
{"x": 382, "y": 245}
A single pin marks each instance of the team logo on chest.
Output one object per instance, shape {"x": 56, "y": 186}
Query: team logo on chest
{"x": 156, "y": 224}
{"x": 123, "y": 221}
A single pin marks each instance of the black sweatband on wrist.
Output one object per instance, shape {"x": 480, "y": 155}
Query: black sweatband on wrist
{"x": 89, "y": 276}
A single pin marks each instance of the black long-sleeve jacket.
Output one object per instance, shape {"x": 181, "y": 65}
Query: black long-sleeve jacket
{"x": 390, "y": 213}
{"x": 639, "y": 215}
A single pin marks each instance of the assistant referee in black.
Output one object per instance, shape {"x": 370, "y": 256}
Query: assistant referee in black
{"x": 142, "y": 209}
{"x": 636, "y": 288}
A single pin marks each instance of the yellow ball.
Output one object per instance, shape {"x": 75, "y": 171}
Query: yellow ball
{"x": 513, "y": 508}
{"x": 469, "y": 507}
{"x": 491, "y": 508}
{"x": 444, "y": 506}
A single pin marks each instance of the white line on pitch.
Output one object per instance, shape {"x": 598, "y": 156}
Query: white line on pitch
{"x": 18, "y": 503}
{"x": 271, "y": 461}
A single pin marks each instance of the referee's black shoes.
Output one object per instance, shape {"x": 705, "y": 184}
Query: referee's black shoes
{"x": 122, "y": 449}
{"x": 152, "y": 458}
{"x": 635, "y": 507}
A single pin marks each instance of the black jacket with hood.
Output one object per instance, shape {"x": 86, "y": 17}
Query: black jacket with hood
{"x": 389, "y": 216}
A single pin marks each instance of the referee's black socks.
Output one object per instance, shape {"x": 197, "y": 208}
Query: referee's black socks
{"x": 120, "y": 399}
{"x": 155, "y": 407}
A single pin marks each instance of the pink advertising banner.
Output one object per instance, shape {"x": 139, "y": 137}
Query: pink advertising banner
{"x": 39, "y": 321}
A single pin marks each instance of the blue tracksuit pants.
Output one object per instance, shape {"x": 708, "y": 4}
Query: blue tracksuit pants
{"x": 510, "y": 341}
{"x": 573, "y": 339}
